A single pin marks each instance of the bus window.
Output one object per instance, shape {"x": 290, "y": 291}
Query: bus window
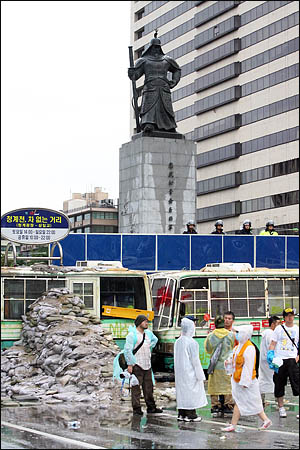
{"x": 13, "y": 299}
{"x": 56, "y": 284}
{"x": 238, "y": 297}
{"x": 85, "y": 291}
{"x": 256, "y": 293}
{"x": 275, "y": 295}
{"x": 20, "y": 293}
{"x": 219, "y": 297}
{"x": 34, "y": 288}
{"x": 123, "y": 292}
{"x": 162, "y": 294}
{"x": 194, "y": 283}
{"x": 193, "y": 302}
{"x": 291, "y": 294}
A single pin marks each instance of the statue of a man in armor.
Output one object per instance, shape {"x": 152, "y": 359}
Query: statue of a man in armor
{"x": 156, "y": 112}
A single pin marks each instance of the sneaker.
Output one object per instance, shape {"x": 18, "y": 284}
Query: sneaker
{"x": 137, "y": 412}
{"x": 229, "y": 428}
{"x": 197, "y": 419}
{"x": 187, "y": 419}
{"x": 266, "y": 425}
{"x": 282, "y": 412}
{"x": 154, "y": 411}
{"x": 194, "y": 419}
{"x": 180, "y": 418}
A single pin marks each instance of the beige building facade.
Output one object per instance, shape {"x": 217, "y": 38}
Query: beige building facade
{"x": 238, "y": 99}
{"x": 92, "y": 212}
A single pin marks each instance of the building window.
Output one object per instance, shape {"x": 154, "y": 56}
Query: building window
{"x": 217, "y": 77}
{"x": 218, "y": 53}
{"x": 139, "y": 14}
{"x": 269, "y": 202}
{"x": 223, "y": 210}
{"x": 138, "y": 34}
{"x": 168, "y": 16}
{"x": 217, "y": 31}
{"x": 220, "y": 98}
{"x": 273, "y": 109}
{"x": 270, "y": 55}
{"x": 270, "y": 30}
{"x": 219, "y": 154}
{"x": 218, "y": 127}
{"x": 215, "y": 10}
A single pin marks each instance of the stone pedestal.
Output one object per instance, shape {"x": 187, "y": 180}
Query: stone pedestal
{"x": 157, "y": 192}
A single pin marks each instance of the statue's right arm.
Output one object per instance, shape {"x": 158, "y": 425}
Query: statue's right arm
{"x": 134, "y": 73}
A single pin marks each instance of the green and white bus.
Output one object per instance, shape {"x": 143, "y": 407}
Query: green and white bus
{"x": 252, "y": 294}
{"x": 114, "y": 294}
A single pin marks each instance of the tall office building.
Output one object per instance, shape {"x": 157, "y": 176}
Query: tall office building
{"x": 238, "y": 99}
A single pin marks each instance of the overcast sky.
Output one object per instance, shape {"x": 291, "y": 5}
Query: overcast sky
{"x": 65, "y": 99}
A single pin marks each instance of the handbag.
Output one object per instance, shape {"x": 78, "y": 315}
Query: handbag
{"x": 122, "y": 361}
{"x": 214, "y": 358}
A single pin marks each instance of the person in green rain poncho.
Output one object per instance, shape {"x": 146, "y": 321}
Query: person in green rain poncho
{"x": 219, "y": 382}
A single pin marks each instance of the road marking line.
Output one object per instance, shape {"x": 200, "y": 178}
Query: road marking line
{"x": 240, "y": 426}
{"x": 52, "y": 436}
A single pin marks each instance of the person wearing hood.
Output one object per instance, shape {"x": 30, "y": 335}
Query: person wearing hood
{"x": 190, "y": 228}
{"x": 244, "y": 384}
{"x": 189, "y": 375}
{"x": 156, "y": 111}
{"x": 139, "y": 364}
{"x": 265, "y": 379}
{"x": 220, "y": 340}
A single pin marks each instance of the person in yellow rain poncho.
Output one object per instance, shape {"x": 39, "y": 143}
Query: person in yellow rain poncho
{"x": 218, "y": 345}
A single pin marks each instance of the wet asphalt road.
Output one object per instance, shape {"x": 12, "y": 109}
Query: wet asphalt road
{"x": 46, "y": 427}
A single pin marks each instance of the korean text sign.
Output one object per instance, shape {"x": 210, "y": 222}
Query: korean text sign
{"x": 34, "y": 226}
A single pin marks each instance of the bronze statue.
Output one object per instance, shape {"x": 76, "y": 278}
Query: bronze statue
{"x": 156, "y": 112}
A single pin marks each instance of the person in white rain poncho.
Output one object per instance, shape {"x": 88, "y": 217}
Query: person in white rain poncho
{"x": 265, "y": 379}
{"x": 189, "y": 375}
{"x": 245, "y": 387}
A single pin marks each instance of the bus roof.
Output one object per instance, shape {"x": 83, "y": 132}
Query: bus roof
{"x": 212, "y": 272}
{"x": 48, "y": 270}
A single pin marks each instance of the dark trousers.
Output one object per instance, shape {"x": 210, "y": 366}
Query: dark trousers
{"x": 145, "y": 380}
{"x": 189, "y": 413}
{"x": 289, "y": 369}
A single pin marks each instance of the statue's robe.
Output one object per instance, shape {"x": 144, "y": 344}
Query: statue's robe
{"x": 156, "y": 105}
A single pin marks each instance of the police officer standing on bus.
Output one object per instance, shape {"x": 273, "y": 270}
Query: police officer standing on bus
{"x": 246, "y": 229}
{"x": 190, "y": 228}
{"x": 270, "y": 229}
{"x": 219, "y": 227}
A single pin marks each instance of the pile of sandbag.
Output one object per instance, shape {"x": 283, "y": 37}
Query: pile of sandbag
{"x": 64, "y": 354}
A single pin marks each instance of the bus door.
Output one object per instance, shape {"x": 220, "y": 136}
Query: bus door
{"x": 194, "y": 302}
{"x": 163, "y": 290}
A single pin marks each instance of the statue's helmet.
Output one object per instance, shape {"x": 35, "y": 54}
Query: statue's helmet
{"x": 154, "y": 42}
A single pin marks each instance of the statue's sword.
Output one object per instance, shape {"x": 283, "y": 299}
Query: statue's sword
{"x": 134, "y": 92}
